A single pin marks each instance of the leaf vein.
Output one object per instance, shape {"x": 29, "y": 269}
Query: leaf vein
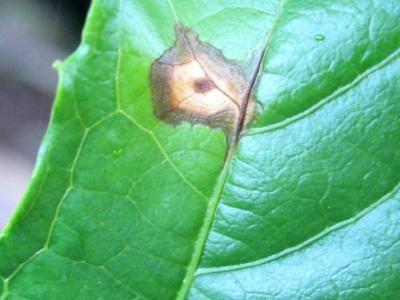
{"x": 335, "y": 94}
{"x": 386, "y": 197}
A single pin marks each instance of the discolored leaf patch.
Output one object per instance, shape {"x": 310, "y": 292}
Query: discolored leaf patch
{"x": 194, "y": 82}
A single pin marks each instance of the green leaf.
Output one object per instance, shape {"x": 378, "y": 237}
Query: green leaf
{"x": 306, "y": 205}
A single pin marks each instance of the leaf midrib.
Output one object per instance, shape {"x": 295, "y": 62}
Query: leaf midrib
{"x": 233, "y": 145}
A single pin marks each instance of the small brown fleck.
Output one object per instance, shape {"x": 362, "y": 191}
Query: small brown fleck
{"x": 203, "y": 85}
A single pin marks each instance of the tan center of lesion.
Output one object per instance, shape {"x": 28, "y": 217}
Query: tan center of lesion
{"x": 194, "y": 92}
{"x": 193, "y": 82}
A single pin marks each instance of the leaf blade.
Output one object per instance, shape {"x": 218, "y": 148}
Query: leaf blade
{"x": 114, "y": 220}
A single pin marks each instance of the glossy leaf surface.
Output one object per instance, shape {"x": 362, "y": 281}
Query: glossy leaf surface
{"x": 305, "y": 206}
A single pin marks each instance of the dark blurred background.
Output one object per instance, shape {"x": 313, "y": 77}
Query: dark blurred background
{"x": 33, "y": 34}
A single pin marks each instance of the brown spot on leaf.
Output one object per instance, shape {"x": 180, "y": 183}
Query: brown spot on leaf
{"x": 203, "y": 85}
{"x": 194, "y": 82}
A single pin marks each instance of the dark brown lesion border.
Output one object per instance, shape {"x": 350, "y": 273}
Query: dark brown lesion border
{"x": 214, "y": 79}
